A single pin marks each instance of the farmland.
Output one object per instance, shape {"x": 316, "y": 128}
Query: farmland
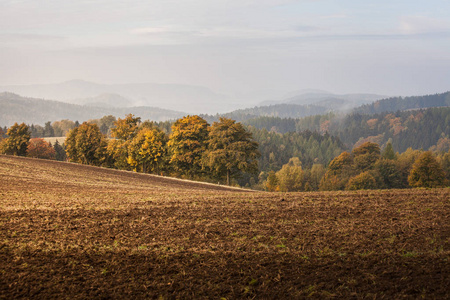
{"x": 73, "y": 231}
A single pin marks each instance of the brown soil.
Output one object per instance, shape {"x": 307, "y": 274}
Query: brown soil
{"x": 72, "y": 231}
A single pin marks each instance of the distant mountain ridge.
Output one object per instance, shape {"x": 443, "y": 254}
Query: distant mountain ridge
{"x": 321, "y": 98}
{"x": 105, "y": 100}
{"x": 278, "y": 110}
{"x": 310, "y": 102}
{"x": 192, "y": 99}
{"x": 15, "y": 108}
{"x": 405, "y": 103}
{"x": 348, "y": 104}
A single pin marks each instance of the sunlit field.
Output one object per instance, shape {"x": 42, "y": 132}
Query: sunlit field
{"x": 73, "y": 231}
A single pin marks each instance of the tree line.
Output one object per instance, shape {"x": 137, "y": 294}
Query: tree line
{"x": 276, "y": 149}
{"x": 365, "y": 167}
{"x": 194, "y": 149}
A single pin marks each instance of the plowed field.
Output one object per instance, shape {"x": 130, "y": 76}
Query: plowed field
{"x": 75, "y": 232}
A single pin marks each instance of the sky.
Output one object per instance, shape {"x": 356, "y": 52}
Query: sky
{"x": 244, "y": 47}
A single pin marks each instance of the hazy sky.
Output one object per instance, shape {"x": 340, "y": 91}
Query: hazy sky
{"x": 390, "y": 47}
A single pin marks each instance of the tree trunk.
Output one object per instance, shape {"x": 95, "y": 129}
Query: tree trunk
{"x": 228, "y": 177}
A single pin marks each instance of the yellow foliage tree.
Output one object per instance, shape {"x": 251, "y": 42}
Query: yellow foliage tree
{"x": 426, "y": 172}
{"x": 187, "y": 145}
{"x": 126, "y": 129}
{"x": 86, "y": 144}
{"x": 290, "y": 176}
{"x": 339, "y": 171}
{"x": 17, "y": 141}
{"x": 272, "y": 183}
{"x": 147, "y": 151}
{"x": 118, "y": 154}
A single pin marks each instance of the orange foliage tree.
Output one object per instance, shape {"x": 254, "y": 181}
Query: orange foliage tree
{"x": 38, "y": 148}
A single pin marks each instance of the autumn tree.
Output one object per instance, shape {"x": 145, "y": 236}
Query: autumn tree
{"x": 339, "y": 171}
{"x": 105, "y": 123}
{"x": 147, "y": 151}
{"x": 315, "y": 175}
{"x": 366, "y": 155}
{"x": 39, "y": 148}
{"x": 123, "y": 132}
{"x": 391, "y": 173}
{"x": 363, "y": 181}
{"x": 17, "y": 141}
{"x": 126, "y": 129}
{"x": 231, "y": 150}
{"x": 117, "y": 151}
{"x": 86, "y": 144}
{"x": 426, "y": 172}
{"x": 442, "y": 145}
{"x": 187, "y": 145}
{"x": 291, "y": 175}
{"x": 272, "y": 183}
{"x": 61, "y": 128}
{"x": 388, "y": 152}
{"x": 445, "y": 162}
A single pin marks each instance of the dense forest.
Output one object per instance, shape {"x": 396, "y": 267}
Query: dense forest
{"x": 309, "y": 147}
{"x": 278, "y": 110}
{"x": 405, "y": 103}
{"x": 418, "y": 129}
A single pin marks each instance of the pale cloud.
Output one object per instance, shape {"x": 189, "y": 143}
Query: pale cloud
{"x": 334, "y": 16}
{"x": 29, "y": 37}
{"x": 423, "y": 25}
{"x": 226, "y": 33}
{"x": 30, "y": 41}
{"x": 229, "y": 44}
{"x": 150, "y": 30}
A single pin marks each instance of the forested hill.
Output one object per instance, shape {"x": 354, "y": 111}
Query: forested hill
{"x": 406, "y": 103}
{"x": 14, "y": 108}
{"x": 277, "y": 110}
{"x": 418, "y": 129}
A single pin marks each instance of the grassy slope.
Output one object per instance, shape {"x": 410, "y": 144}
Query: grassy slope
{"x": 74, "y": 231}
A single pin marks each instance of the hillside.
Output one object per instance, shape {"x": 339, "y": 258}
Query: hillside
{"x": 15, "y": 108}
{"x": 79, "y": 232}
{"x": 55, "y": 175}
